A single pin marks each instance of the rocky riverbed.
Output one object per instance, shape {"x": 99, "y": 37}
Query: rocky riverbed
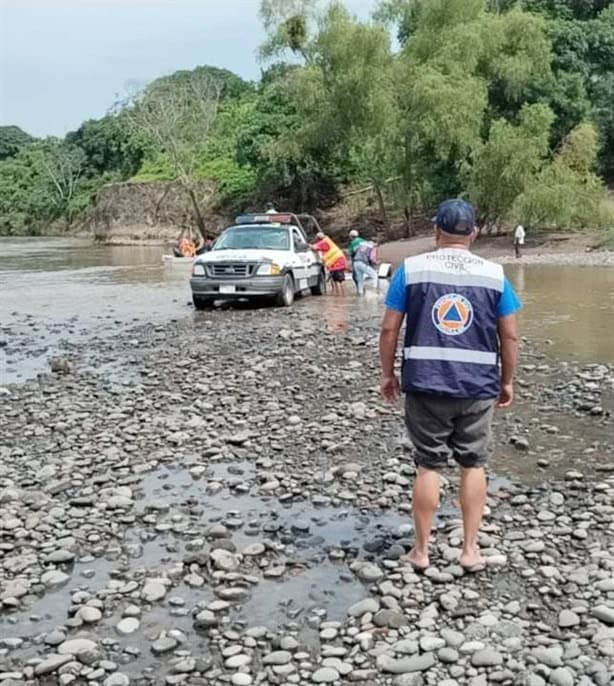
{"x": 225, "y": 499}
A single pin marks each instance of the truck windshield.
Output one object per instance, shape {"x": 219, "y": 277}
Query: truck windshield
{"x": 254, "y": 237}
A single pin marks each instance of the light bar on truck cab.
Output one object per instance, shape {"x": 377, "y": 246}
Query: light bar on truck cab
{"x": 264, "y": 219}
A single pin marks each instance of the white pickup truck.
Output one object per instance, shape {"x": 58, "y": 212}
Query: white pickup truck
{"x": 262, "y": 255}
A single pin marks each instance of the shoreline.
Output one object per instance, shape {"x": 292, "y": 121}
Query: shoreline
{"x": 549, "y": 249}
{"x": 553, "y": 248}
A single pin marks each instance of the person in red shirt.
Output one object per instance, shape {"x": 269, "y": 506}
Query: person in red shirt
{"x": 334, "y": 260}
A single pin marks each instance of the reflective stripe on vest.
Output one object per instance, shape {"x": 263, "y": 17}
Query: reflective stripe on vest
{"x": 431, "y": 276}
{"x": 451, "y": 340}
{"x": 333, "y": 253}
{"x": 416, "y": 352}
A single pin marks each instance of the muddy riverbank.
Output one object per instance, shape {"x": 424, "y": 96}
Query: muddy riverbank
{"x": 555, "y": 249}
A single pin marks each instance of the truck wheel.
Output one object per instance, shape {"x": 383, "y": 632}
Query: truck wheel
{"x": 320, "y": 287}
{"x": 285, "y": 297}
{"x": 202, "y": 303}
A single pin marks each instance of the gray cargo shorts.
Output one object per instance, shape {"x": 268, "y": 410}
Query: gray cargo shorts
{"x": 441, "y": 427}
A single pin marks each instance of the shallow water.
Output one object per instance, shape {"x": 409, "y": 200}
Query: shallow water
{"x": 58, "y": 290}
{"x": 571, "y": 306}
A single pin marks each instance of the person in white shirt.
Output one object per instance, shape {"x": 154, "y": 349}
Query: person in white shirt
{"x": 519, "y": 235}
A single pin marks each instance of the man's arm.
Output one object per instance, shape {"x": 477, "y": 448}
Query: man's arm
{"x": 507, "y": 328}
{"x": 389, "y": 336}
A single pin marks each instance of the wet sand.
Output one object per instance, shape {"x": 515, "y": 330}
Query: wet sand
{"x": 561, "y": 249}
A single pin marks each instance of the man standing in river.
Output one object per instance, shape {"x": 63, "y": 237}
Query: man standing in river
{"x": 519, "y": 236}
{"x": 461, "y": 322}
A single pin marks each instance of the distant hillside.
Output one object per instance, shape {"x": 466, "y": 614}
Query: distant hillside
{"x": 12, "y": 139}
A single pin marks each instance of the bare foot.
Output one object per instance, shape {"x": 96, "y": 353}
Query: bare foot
{"x": 471, "y": 560}
{"x": 419, "y": 561}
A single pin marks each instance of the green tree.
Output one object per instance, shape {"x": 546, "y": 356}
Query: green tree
{"x": 12, "y": 139}
{"x": 42, "y": 184}
{"x": 277, "y": 72}
{"x": 108, "y": 146}
{"x": 464, "y": 74}
{"x": 347, "y": 101}
{"x": 175, "y": 116}
{"x": 583, "y": 82}
{"x": 567, "y": 194}
{"x": 16, "y": 186}
{"x": 270, "y": 144}
{"x": 463, "y": 107}
{"x": 58, "y": 171}
{"x": 600, "y": 84}
{"x": 507, "y": 162}
{"x": 236, "y": 179}
{"x": 568, "y": 9}
{"x": 288, "y": 24}
{"x": 225, "y": 82}
{"x": 399, "y": 14}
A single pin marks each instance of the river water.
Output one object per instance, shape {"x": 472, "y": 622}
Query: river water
{"x": 59, "y": 292}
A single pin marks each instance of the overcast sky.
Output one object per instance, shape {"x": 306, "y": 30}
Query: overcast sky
{"x": 63, "y": 61}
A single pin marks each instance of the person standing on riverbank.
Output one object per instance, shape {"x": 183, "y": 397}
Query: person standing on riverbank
{"x": 460, "y": 321}
{"x": 519, "y": 236}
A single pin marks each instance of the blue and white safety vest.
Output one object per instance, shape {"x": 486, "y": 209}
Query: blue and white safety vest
{"x": 451, "y": 341}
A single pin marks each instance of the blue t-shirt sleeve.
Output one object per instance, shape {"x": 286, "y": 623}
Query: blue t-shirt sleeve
{"x": 509, "y": 302}
{"x": 396, "y": 296}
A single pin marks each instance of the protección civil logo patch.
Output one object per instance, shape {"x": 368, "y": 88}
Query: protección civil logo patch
{"x": 452, "y": 314}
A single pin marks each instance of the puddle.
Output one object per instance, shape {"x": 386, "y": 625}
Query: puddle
{"x": 558, "y": 439}
{"x": 90, "y": 575}
{"x": 304, "y": 527}
{"x": 185, "y": 507}
{"x": 329, "y": 587}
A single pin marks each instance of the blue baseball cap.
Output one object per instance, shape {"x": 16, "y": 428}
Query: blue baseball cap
{"x": 456, "y": 217}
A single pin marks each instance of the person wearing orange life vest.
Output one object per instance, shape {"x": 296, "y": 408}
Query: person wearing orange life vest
{"x": 334, "y": 261}
{"x": 186, "y": 245}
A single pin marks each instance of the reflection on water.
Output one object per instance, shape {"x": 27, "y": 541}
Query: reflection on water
{"x": 572, "y": 306}
{"x": 340, "y": 312}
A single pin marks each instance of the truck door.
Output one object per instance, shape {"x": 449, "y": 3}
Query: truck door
{"x": 301, "y": 259}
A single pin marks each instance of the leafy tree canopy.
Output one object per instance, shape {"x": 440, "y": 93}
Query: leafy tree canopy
{"x": 12, "y": 139}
